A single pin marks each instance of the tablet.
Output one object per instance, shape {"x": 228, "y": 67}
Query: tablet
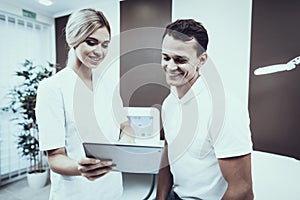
{"x": 130, "y": 158}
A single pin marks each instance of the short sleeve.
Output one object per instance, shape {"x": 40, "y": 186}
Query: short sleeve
{"x": 235, "y": 137}
{"x": 118, "y": 109}
{"x": 50, "y": 116}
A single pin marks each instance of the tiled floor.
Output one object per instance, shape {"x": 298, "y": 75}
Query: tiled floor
{"x": 20, "y": 191}
{"x": 136, "y": 187}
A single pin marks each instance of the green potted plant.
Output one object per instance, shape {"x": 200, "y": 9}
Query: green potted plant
{"x": 22, "y": 99}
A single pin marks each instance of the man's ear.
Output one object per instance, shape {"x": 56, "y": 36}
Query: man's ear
{"x": 203, "y": 58}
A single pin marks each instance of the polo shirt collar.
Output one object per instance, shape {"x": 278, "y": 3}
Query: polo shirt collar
{"x": 194, "y": 91}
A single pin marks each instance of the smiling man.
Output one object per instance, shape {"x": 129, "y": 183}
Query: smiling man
{"x": 225, "y": 171}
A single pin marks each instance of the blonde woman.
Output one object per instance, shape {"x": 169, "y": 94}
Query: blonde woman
{"x": 73, "y": 176}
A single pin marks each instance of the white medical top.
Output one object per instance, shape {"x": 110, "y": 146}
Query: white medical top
{"x": 187, "y": 125}
{"x": 63, "y": 114}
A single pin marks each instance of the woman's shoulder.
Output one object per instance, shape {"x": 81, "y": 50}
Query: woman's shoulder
{"x": 58, "y": 80}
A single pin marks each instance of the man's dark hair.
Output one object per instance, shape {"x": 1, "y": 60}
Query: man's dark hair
{"x": 186, "y": 30}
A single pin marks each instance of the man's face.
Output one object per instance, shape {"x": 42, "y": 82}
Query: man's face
{"x": 180, "y": 61}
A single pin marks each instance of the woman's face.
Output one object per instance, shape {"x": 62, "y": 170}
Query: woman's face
{"x": 93, "y": 50}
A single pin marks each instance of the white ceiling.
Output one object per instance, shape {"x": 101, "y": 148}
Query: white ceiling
{"x": 58, "y": 6}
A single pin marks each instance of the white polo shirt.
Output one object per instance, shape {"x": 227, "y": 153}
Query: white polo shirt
{"x": 59, "y": 118}
{"x": 186, "y": 123}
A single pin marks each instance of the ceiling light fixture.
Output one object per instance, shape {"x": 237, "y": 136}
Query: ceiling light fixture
{"x": 45, "y": 2}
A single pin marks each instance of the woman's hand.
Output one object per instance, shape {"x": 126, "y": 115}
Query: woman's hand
{"x": 94, "y": 168}
{"x": 127, "y": 134}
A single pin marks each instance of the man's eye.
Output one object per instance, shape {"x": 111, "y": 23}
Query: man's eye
{"x": 91, "y": 42}
{"x": 180, "y": 61}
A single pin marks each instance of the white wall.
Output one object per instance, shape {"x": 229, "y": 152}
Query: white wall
{"x": 229, "y": 27}
{"x": 18, "y": 11}
{"x": 49, "y": 21}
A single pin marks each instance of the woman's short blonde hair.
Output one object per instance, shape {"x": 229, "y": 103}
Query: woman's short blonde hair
{"x": 83, "y": 23}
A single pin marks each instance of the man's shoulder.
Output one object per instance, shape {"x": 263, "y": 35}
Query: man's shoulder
{"x": 169, "y": 100}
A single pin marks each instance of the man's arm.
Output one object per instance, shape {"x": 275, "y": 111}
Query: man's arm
{"x": 165, "y": 177}
{"x": 237, "y": 173}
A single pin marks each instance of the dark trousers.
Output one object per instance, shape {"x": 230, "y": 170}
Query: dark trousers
{"x": 173, "y": 196}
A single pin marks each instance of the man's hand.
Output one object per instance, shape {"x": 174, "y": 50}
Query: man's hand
{"x": 93, "y": 169}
